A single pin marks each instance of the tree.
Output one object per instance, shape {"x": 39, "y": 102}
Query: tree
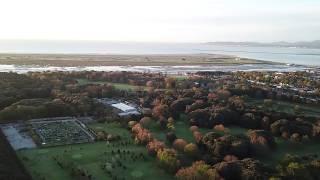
{"x": 197, "y": 136}
{"x": 170, "y": 124}
{"x": 261, "y": 141}
{"x": 194, "y": 128}
{"x": 198, "y": 171}
{"x": 171, "y": 137}
{"x": 154, "y": 146}
{"x": 167, "y": 159}
{"x": 223, "y": 95}
{"x": 191, "y": 150}
{"x": 160, "y": 110}
{"x": 170, "y": 82}
{"x": 179, "y": 144}
{"x": 146, "y": 122}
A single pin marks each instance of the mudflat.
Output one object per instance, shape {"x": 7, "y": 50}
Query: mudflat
{"x": 124, "y": 60}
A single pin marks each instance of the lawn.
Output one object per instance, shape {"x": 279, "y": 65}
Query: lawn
{"x": 92, "y": 157}
{"x": 288, "y": 107}
{"x": 182, "y": 130}
{"x": 120, "y": 86}
{"x": 287, "y": 147}
{"x": 283, "y": 146}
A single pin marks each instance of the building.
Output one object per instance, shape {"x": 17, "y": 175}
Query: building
{"x": 122, "y": 109}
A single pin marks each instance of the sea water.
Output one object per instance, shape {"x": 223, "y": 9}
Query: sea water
{"x": 302, "y": 56}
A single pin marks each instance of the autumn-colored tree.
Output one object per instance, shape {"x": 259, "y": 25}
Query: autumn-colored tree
{"x": 198, "y": 171}
{"x": 179, "y": 144}
{"x": 191, "y": 150}
{"x": 143, "y": 137}
{"x": 167, "y": 159}
{"x": 160, "y": 110}
{"x": 170, "y": 124}
{"x": 223, "y": 94}
{"x": 154, "y": 146}
{"x": 194, "y": 128}
{"x": 136, "y": 128}
{"x": 131, "y": 124}
{"x": 170, "y": 82}
{"x": 197, "y": 136}
{"x": 230, "y": 158}
{"x": 145, "y": 122}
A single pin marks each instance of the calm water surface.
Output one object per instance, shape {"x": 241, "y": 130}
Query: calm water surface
{"x": 302, "y": 56}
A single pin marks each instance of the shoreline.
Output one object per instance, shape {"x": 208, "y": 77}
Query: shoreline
{"x": 83, "y": 60}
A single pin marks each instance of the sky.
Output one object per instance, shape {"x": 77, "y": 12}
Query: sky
{"x": 161, "y": 20}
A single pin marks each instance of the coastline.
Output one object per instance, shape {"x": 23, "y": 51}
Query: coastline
{"x": 82, "y": 60}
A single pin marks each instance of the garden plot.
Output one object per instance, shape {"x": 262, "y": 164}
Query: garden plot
{"x": 61, "y": 132}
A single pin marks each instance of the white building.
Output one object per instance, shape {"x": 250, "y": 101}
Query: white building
{"x": 125, "y": 110}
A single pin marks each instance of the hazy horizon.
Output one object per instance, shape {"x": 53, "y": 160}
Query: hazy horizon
{"x": 177, "y": 21}
{"x": 158, "y": 42}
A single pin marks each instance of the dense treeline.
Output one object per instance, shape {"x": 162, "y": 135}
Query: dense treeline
{"x": 202, "y": 101}
{"x": 15, "y": 87}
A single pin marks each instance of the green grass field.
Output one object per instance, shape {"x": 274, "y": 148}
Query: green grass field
{"x": 283, "y": 146}
{"x": 182, "y": 130}
{"x": 287, "y": 147}
{"x": 92, "y": 157}
{"x": 120, "y": 86}
{"x": 288, "y": 107}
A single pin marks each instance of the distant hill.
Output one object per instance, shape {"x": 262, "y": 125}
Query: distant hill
{"x": 300, "y": 44}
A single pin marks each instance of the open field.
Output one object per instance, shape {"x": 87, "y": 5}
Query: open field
{"x": 182, "y": 130}
{"x": 286, "y": 147}
{"x": 288, "y": 107}
{"x": 120, "y": 86}
{"x": 92, "y": 157}
{"x": 123, "y": 60}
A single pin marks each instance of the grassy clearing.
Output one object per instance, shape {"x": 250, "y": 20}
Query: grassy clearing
{"x": 288, "y": 107}
{"x": 287, "y": 147}
{"x": 182, "y": 130}
{"x": 92, "y": 157}
{"x": 283, "y": 146}
{"x": 120, "y": 86}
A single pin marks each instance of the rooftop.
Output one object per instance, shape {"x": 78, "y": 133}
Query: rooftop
{"x": 124, "y": 107}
